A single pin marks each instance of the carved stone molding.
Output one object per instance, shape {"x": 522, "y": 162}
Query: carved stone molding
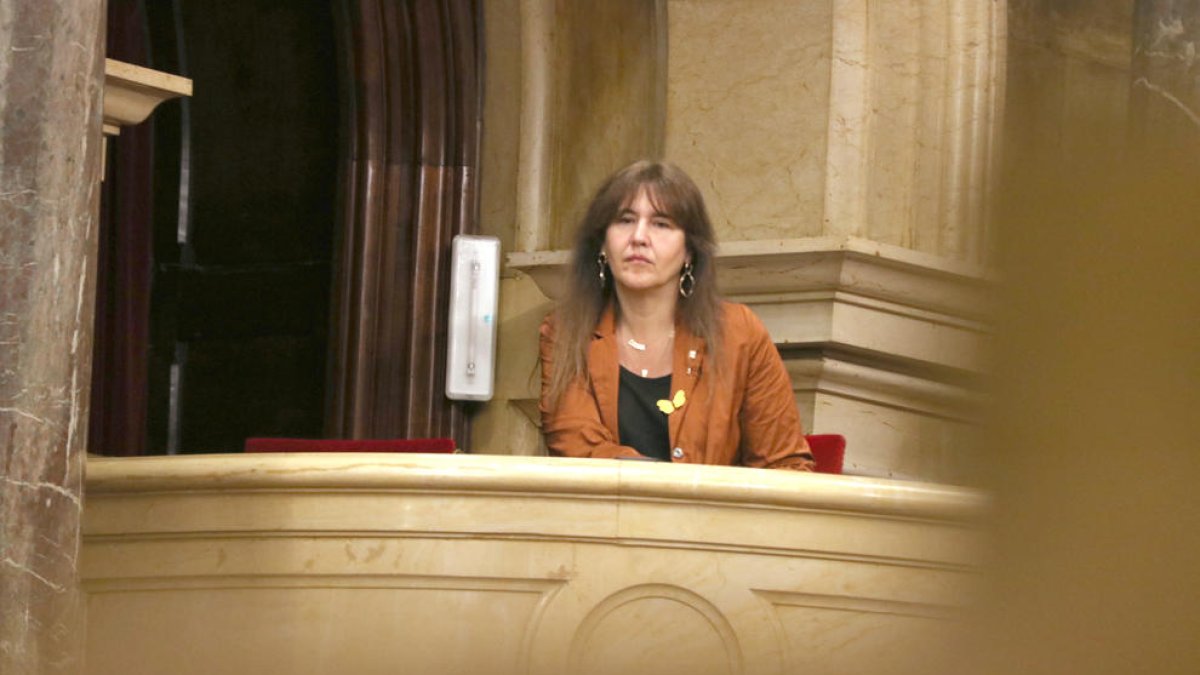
{"x": 132, "y": 92}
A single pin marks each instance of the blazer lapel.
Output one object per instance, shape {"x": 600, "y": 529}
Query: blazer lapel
{"x": 603, "y": 369}
{"x": 685, "y": 373}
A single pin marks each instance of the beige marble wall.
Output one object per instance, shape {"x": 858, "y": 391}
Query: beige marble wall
{"x": 508, "y": 424}
{"x": 870, "y": 119}
{"x": 556, "y": 82}
{"x": 936, "y": 83}
{"x": 607, "y": 104}
{"x": 589, "y": 72}
{"x": 517, "y": 32}
{"x": 501, "y": 138}
{"x": 50, "y": 168}
{"x": 748, "y": 111}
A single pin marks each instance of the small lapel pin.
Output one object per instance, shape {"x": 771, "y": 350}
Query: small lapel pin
{"x": 676, "y": 402}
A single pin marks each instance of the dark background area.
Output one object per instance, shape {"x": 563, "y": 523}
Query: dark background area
{"x": 232, "y": 216}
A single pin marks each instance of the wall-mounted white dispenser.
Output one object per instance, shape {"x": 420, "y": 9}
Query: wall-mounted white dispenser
{"x": 474, "y": 293}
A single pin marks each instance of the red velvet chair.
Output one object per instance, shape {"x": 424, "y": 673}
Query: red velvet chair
{"x": 433, "y": 445}
{"x": 829, "y": 450}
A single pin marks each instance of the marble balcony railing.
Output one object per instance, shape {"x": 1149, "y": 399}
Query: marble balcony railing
{"x": 489, "y": 564}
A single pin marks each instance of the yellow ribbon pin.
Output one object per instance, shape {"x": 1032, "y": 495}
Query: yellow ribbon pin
{"x": 675, "y": 403}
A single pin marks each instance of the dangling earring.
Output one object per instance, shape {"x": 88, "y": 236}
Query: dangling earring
{"x": 687, "y": 282}
{"x": 602, "y": 262}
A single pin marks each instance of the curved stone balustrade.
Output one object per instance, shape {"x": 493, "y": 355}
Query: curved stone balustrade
{"x": 485, "y": 564}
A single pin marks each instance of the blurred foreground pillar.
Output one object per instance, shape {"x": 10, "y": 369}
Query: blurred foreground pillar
{"x": 1093, "y": 449}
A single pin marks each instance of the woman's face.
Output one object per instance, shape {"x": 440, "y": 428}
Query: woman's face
{"x": 646, "y": 249}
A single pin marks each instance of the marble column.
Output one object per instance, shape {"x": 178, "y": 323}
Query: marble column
{"x": 51, "y": 75}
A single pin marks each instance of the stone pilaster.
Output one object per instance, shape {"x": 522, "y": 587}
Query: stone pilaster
{"x": 51, "y": 74}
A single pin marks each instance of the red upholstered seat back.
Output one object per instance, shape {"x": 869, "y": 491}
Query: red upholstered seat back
{"x": 435, "y": 445}
{"x": 829, "y": 450}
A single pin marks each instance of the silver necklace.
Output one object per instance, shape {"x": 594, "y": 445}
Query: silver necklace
{"x": 641, "y": 347}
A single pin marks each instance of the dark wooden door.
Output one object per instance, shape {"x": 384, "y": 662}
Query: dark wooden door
{"x": 278, "y": 244}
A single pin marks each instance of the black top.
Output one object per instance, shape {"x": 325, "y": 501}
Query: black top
{"x": 641, "y": 424}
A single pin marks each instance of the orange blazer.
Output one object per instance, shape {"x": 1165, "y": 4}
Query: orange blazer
{"x": 743, "y": 414}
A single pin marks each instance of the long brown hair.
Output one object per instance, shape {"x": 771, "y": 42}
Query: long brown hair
{"x": 672, "y": 192}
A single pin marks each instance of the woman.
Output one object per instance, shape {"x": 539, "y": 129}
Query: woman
{"x": 642, "y": 359}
